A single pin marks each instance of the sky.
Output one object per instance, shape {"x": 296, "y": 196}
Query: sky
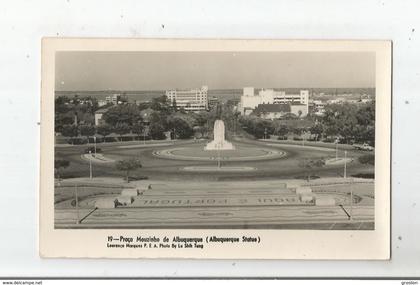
{"x": 96, "y": 71}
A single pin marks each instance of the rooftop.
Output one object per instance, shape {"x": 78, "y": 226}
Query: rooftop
{"x": 272, "y": 108}
{"x": 101, "y": 111}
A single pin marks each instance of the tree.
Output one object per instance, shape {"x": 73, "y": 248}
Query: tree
{"x": 70, "y": 131}
{"x": 299, "y": 113}
{"x": 158, "y": 125}
{"x": 92, "y": 105}
{"x": 161, "y": 104}
{"x": 104, "y": 130}
{"x": 261, "y": 127}
{"x": 128, "y": 165}
{"x": 159, "y": 118}
{"x": 58, "y": 165}
{"x": 157, "y": 131}
{"x": 87, "y": 130}
{"x": 289, "y": 116}
{"x": 138, "y": 129}
{"x": 182, "y": 129}
{"x": 311, "y": 163}
{"x": 121, "y": 129}
{"x": 340, "y": 120}
{"x": 297, "y": 131}
{"x": 201, "y": 118}
{"x": 350, "y": 121}
{"x": 126, "y": 113}
{"x": 317, "y": 131}
{"x": 63, "y": 118}
{"x": 282, "y": 130}
{"x": 366, "y": 124}
{"x": 174, "y": 106}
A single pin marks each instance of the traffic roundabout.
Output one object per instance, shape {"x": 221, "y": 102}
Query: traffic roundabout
{"x": 242, "y": 152}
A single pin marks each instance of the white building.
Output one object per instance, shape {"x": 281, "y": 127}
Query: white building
{"x": 101, "y": 103}
{"x": 336, "y": 101}
{"x": 299, "y": 110}
{"x": 366, "y": 100}
{"x": 318, "y": 107}
{"x": 281, "y": 97}
{"x": 98, "y": 116}
{"x": 112, "y": 99}
{"x": 249, "y": 101}
{"x": 190, "y": 100}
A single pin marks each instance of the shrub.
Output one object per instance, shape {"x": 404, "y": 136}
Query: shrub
{"x": 137, "y": 177}
{"x": 60, "y": 164}
{"x": 364, "y": 175}
{"x": 328, "y": 140}
{"x": 367, "y": 159}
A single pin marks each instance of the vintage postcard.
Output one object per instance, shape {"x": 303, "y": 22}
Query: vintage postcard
{"x": 239, "y": 149}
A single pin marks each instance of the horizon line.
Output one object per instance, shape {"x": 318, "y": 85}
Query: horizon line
{"x": 132, "y": 90}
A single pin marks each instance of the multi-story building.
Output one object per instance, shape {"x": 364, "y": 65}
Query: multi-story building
{"x": 317, "y": 107}
{"x": 302, "y": 98}
{"x": 336, "y": 101}
{"x": 116, "y": 99}
{"x": 249, "y": 100}
{"x": 112, "y": 99}
{"x": 189, "y": 100}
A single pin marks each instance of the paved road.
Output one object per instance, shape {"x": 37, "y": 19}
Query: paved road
{"x": 218, "y": 205}
{"x": 166, "y": 169}
{"x": 268, "y": 204}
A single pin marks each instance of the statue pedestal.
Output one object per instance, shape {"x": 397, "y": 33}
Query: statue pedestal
{"x": 225, "y": 145}
{"x": 219, "y": 142}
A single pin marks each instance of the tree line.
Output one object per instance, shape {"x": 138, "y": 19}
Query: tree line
{"x": 151, "y": 120}
{"x": 350, "y": 123}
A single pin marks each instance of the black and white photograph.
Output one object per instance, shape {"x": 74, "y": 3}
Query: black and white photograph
{"x": 239, "y": 138}
{"x": 264, "y": 140}
{"x": 210, "y": 141}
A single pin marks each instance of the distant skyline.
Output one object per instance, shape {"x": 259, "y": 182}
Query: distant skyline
{"x": 130, "y": 71}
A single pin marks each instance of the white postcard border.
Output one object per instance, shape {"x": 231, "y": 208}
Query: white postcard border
{"x": 274, "y": 244}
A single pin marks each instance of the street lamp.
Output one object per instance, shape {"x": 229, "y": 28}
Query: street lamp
{"x": 351, "y": 200}
{"x": 94, "y": 141}
{"x": 303, "y": 138}
{"x": 336, "y": 149}
{"x": 77, "y": 205}
{"x": 345, "y": 164}
{"x": 90, "y": 164}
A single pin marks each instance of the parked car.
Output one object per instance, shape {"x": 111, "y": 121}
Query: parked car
{"x": 364, "y": 146}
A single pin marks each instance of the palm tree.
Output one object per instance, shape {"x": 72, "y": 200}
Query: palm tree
{"x": 128, "y": 165}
